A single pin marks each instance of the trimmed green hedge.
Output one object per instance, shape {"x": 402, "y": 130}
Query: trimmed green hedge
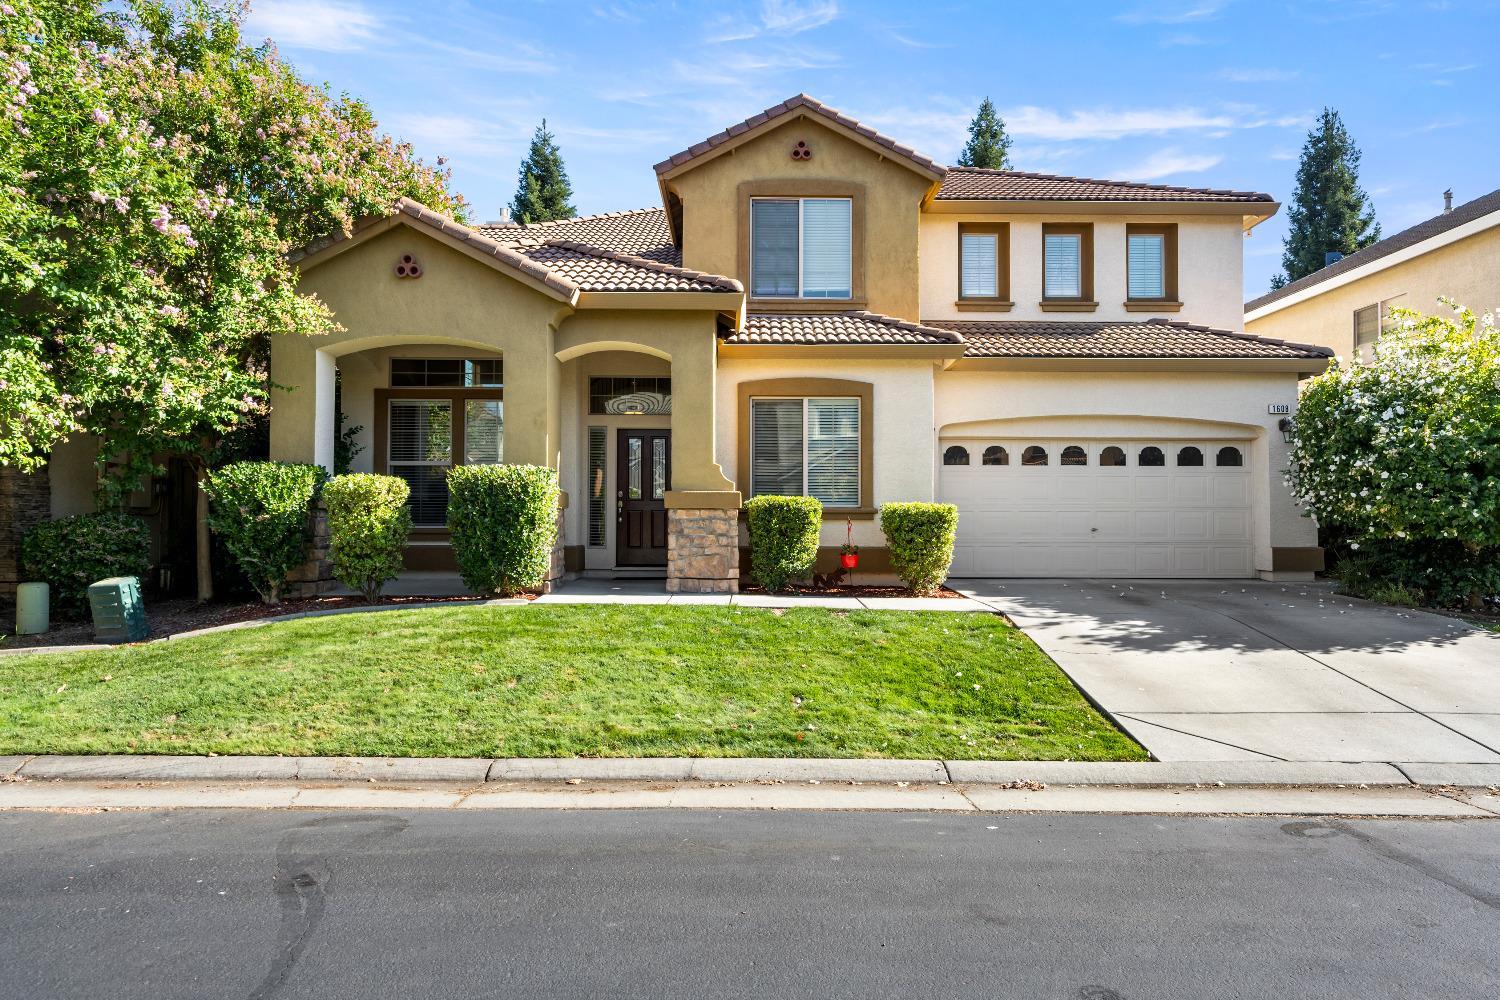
{"x": 503, "y": 521}
{"x": 73, "y": 552}
{"x": 783, "y": 538}
{"x": 920, "y": 537}
{"x": 260, "y": 512}
{"x": 368, "y": 524}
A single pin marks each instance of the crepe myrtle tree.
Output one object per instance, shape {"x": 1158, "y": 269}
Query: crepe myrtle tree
{"x": 1402, "y": 455}
{"x": 155, "y": 171}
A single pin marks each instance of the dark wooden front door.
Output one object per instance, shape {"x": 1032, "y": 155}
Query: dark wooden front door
{"x": 642, "y": 478}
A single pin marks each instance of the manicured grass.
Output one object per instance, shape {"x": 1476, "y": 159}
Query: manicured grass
{"x": 556, "y": 681}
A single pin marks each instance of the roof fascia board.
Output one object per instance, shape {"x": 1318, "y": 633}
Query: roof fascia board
{"x": 1262, "y": 210}
{"x": 711, "y": 301}
{"x": 832, "y": 352}
{"x": 1302, "y": 367}
{"x": 1373, "y": 267}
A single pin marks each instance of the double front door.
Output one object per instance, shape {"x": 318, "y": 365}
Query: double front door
{"x": 642, "y": 478}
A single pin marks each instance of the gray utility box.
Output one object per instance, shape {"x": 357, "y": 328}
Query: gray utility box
{"x": 119, "y": 614}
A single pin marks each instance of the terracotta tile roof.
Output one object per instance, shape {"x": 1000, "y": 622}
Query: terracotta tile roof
{"x": 923, "y": 163}
{"x": 642, "y": 232}
{"x": 982, "y": 184}
{"x": 1435, "y": 226}
{"x": 1156, "y": 338}
{"x": 596, "y": 270}
{"x": 856, "y": 327}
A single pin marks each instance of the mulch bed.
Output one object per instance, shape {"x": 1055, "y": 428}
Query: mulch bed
{"x": 169, "y": 617}
{"x": 805, "y": 591}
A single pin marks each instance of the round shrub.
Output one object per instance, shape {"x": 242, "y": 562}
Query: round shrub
{"x": 368, "y": 523}
{"x": 503, "y": 522}
{"x": 260, "y": 512}
{"x": 920, "y": 537}
{"x": 71, "y": 553}
{"x": 783, "y": 538}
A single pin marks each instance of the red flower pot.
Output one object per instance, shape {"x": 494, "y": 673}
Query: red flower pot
{"x": 849, "y": 561}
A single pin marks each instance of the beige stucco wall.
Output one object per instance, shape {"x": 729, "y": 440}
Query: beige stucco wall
{"x": 903, "y": 430}
{"x": 1118, "y": 403}
{"x": 458, "y": 302}
{"x": 1467, "y": 271}
{"x": 893, "y": 195}
{"x": 1210, "y": 257}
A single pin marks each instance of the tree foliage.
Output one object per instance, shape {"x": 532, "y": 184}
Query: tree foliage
{"x": 155, "y": 172}
{"x": 543, "y": 192}
{"x": 988, "y": 145}
{"x": 1329, "y": 211}
{"x": 1402, "y": 455}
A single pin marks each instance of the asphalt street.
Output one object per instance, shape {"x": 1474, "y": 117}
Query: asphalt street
{"x": 709, "y": 905}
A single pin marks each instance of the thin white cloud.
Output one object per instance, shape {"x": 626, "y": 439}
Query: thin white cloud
{"x": 1174, "y": 13}
{"x": 1167, "y": 163}
{"x": 1054, "y": 126}
{"x": 1184, "y": 39}
{"x": 777, "y": 18}
{"x": 322, "y": 25}
{"x": 1282, "y": 154}
{"x": 737, "y": 69}
{"x": 1265, "y": 75}
{"x": 910, "y": 42}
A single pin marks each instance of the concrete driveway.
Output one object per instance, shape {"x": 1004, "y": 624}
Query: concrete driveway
{"x": 1245, "y": 670}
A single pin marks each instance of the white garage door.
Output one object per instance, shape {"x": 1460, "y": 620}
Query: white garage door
{"x": 1104, "y": 508}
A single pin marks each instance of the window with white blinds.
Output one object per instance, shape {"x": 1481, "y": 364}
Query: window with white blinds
{"x": 598, "y": 457}
{"x": 801, "y": 247}
{"x": 1146, "y": 265}
{"x": 1063, "y": 266}
{"x": 421, "y": 453}
{"x": 979, "y": 265}
{"x": 806, "y": 447}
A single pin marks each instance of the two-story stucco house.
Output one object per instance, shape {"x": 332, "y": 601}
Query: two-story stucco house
{"x": 818, "y": 309}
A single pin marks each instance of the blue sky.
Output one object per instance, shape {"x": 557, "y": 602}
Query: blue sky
{"x": 1209, "y": 93}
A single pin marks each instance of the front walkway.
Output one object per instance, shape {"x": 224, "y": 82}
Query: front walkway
{"x": 1245, "y": 670}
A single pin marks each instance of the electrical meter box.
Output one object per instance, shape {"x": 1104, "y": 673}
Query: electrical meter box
{"x": 119, "y": 614}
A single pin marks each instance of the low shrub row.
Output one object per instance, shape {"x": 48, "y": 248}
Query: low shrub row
{"x": 73, "y": 552}
{"x": 784, "y": 540}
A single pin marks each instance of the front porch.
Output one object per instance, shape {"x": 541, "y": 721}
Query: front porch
{"x": 482, "y": 361}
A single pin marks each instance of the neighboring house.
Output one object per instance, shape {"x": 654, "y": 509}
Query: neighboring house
{"x": 1346, "y": 305}
{"x": 818, "y": 309}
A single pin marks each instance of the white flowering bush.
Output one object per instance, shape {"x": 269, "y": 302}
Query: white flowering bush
{"x": 1402, "y": 456}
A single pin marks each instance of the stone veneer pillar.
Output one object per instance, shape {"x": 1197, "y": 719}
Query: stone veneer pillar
{"x": 703, "y": 550}
{"x": 314, "y": 577}
{"x": 25, "y": 502}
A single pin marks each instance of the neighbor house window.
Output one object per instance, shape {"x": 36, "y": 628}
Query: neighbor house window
{"x": 1373, "y": 322}
{"x": 1067, "y": 263}
{"x": 806, "y": 447}
{"x": 801, "y": 248}
{"x": 984, "y": 262}
{"x": 1151, "y": 263}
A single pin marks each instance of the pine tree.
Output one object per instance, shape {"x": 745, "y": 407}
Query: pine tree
{"x": 1329, "y": 211}
{"x": 988, "y": 145}
{"x": 542, "y": 189}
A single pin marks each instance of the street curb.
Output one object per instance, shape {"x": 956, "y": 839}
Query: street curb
{"x": 364, "y": 770}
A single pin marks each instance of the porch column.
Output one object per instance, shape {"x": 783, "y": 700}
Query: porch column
{"x": 302, "y": 414}
{"x": 703, "y": 531}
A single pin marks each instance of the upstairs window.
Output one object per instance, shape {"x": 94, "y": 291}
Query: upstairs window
{"x": 800, "y": 248}
{"x": 983, "y": 261}
{"x": 1067, "y": 263}
{"x": 1151, "y": 263}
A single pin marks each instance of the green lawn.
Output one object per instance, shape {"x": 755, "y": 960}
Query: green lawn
{"x": 556, "y": 681}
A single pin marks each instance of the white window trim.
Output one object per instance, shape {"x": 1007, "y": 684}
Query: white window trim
{"x": 801, "y": 228}
{"x": 858, "y": 445}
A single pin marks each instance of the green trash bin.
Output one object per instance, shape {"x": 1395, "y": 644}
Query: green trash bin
{"x": 119, "y": 614}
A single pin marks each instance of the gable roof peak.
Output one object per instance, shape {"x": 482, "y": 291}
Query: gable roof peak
{"x": 924, "y": 165}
